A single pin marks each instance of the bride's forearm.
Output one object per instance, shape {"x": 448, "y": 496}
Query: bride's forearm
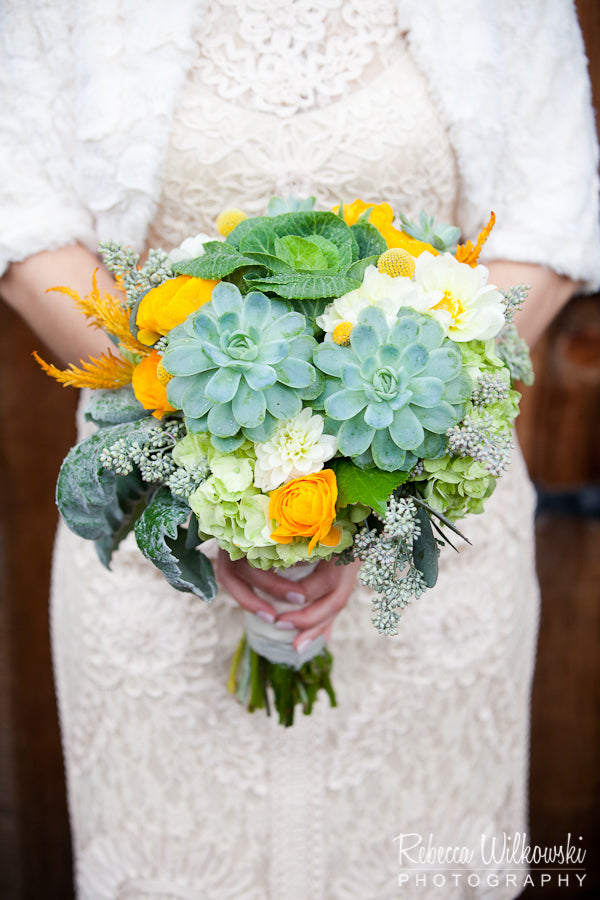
{"x": 53, "y": 315}
{"x": 549, "y": 293}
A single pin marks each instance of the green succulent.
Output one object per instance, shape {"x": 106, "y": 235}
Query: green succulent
{"x": 279, "y": 205}
{"x": 303, "y": 255}
{"x": 238, "y": 365}
{"x": 442, "y": 237}
{"x": 393, "y": 393}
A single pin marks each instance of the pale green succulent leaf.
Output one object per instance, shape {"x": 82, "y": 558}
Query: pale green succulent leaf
{"x": 223, "y": 385}
{"x": 439, "y": 419}
{"x": 427, "y": 391}
{"x": 354, "y": 436}
{"x": 387, "y": 455}
{"x": 345, "y": 404}
{"x": 379, "y": 415}
{"x": 406, "y": 430}
{"x": 369, "y": 240}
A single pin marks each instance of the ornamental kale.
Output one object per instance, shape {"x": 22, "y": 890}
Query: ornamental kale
{"x": 299, "y": 255}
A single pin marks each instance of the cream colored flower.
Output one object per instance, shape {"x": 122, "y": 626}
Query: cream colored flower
{"x": 297, "y": 448}
{"x": 377, "y": 289}
{"x": 190, "y": 248}
{"x": 459, "y": 297}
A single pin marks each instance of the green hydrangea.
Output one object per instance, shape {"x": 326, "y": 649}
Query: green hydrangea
{"x": 455, "y": 486}
{"x": 230, "y": 509}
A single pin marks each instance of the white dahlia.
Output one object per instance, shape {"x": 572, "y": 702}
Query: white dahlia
{"x": 297, "y": 448}
{"x": 377, "y": 289}
{"x": 459, "y": 297}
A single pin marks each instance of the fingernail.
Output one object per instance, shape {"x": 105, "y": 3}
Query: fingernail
{"x": 303, "y": 645}
{"x": 265, "y": 616}
{"x": 295, "y": 597}
{"x": 285, "y": 626}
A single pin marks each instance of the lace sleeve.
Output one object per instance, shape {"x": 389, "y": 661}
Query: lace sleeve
{"x": 40, "y": 208}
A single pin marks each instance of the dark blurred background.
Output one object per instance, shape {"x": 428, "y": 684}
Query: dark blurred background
{"x": 560, "y": 434}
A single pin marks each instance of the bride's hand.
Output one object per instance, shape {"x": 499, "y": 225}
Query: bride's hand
{"x": 322, "y": 595}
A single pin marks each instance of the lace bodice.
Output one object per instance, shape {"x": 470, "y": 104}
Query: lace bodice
{"x": 340, "y": 123}
{"x": 175, "y": 790}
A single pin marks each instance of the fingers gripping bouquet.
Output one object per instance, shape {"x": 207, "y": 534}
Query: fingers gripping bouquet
{"x": 317, "y": 384}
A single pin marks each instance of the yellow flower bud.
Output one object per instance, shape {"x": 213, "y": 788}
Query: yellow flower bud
{"x": 397, "y": 262}
{"x": 229, "y": 219}
{"x": 341, "y": 333}
{"x": 161, "y": 373}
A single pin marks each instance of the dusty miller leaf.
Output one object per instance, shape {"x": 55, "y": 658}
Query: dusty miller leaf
{"x": 162, "y": 539}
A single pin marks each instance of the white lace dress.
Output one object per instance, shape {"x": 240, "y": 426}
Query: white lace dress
{"x": 175, "y": 791}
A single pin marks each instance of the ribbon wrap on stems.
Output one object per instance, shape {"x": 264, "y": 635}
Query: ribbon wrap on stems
{"x": 266, "y": 662}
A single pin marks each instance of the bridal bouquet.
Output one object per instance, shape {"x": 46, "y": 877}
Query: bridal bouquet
{"x": 315, "y": 384}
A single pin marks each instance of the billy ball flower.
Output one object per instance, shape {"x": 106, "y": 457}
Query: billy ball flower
{"x": 305, "y": 507}
{"x": 298, "y": 447}
{"x": 239, "y": 365}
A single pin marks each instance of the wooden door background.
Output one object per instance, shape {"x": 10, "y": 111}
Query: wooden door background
{"x": 560, "y": 434}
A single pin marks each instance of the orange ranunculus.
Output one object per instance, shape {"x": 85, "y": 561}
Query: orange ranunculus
{"x": 305, "y": 507}
{"x": 382, "y": 216}
{"x": 147, "y": 387}
{"x": 169, "y": 304}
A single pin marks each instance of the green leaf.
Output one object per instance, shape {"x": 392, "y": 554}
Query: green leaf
{"x": 163, "y": 540}
{"x": 369, "y": 240}
{"x": 425, "y": 555}
{"x": 219, "y": 259}
{"x": 96, "y": 503}
{"x": 371, "y": 487}
{"x": 307, "y": 254}
{"x": 114, "y": 407}
{"x": 261, "y": 237}
{"x": 305, "y": 287}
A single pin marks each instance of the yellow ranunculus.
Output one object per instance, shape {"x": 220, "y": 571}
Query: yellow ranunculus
{"x": 170, "y": 304}
{"x": 381, "y": 217}
{"x": 147, "y": 387}
{"x": 305, "y": 507}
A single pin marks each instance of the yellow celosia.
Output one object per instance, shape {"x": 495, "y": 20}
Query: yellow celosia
{"x": 148, "y": 388}
{"x": 105, "y": 312}
{"x": 170, "y": 304}
{"x": 381, "y": 217}
{"x": 305, "y": 507}
{"x": 106, "y": 371}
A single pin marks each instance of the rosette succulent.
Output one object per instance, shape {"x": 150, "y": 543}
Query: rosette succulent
{"x": 239, "y": 365}
{"x": 391, "y": 395}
